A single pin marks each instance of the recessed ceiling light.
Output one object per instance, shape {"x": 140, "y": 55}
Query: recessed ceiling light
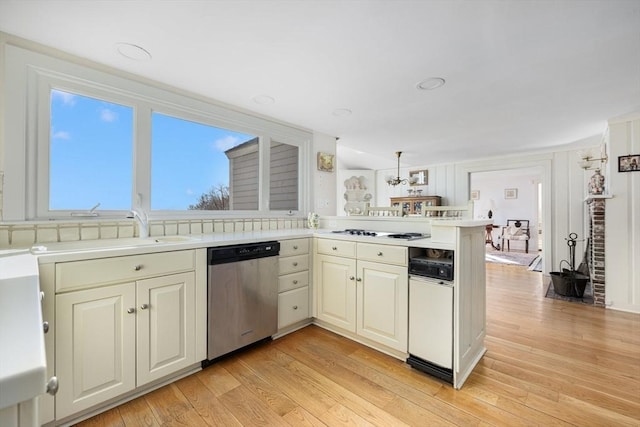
{"x": 264, "y": 99}
{"x": 132, "y": 51}
{"x": 431, "y": 83}
{"x": 342, "y": 112}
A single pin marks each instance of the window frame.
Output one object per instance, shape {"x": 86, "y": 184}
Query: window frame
{"x": 32, "y": 76}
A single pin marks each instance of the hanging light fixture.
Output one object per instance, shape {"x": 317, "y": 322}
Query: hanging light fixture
{"x": 391, "y": 180}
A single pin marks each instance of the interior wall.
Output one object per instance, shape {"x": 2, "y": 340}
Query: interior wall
{"x": 323, "y": 184}
{"x": 441, "y": 182}
{"x": 622, "y": 219}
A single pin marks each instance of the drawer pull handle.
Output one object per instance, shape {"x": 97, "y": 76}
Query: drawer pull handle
{"x": 379, "y": 253}
{"x": 334, "y": 248}
{"x": 52, "y": 386}
{"x": 137, "y": 267}
{"x": 295, "y": 282}
{"x": 295, "y": 247}
{"x": 131, "y": 310}
{"x": 41, "y": 295}
{"x": 295, "y": 307}
{"x": 295, "y": 264}
{"x": 45, "y": 326}
{"x": 359, "y": 279}
{"x": 351, "y": 278}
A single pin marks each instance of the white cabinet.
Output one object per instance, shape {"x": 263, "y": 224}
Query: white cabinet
{"x": 364, "y": 291}
{"x": 114, "y": 338}
{"x": 336, "y": 291}
{"x": 293, "y": 284}
{"x": 381, "y": 301}
{"x": 166, "y": 326}
{"x": 95, "y": 346}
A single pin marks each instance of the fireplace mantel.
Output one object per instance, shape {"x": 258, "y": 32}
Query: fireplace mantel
{"x": 597, "y": 197}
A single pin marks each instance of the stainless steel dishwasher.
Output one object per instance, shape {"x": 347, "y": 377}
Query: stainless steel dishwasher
{"x": 242, "y": 294}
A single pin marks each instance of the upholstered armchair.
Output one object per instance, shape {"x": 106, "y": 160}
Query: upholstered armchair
{"x": 516, "y": 229}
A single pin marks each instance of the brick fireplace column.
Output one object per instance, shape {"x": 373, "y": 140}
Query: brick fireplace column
{"x": 596, "y": 256}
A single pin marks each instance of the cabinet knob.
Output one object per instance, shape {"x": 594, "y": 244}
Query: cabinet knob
{"x": 295, "y": 247}
{"x": 295, "y": 307}
{"x": 45, "y": 326}
{"x": 295, "y": 282}
{"x": 334, "y": 248}
{"x": 379, "y": 253}
{"x": 52, "y": 386}
{"x": 131, "y": 310}
{"x": 41, "y": 296}
{"x": 144, "y": 306}
{"x": 359, "y": 279}
{"x": 295, "y": 264}
{"x": 352, "y": 278}
{"x": 137, "y": 267}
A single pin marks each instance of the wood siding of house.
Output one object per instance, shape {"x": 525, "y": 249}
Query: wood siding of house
{"x": 284, "y": 177}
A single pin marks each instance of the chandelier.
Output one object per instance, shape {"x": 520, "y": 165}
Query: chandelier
{"x": 391, "y": 180}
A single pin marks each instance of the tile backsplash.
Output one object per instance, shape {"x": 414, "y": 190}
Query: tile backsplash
{"x": 26, "y": 234}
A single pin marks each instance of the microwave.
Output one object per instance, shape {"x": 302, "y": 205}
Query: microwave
{"x": 436, "y": 268}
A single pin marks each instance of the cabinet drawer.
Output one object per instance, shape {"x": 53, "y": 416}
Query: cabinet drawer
{"x": 383, "y": 253}
{"x": 292, "y": 264}
{"x": 293, "y": 306}
{"x": 294, "y": 247}
{"x": 337, "y": 247}
{"x": 89, "y": 273}
{"x": 293, "y": 281}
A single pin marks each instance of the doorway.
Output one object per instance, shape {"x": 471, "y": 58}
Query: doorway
{"x": 512, "y": 194}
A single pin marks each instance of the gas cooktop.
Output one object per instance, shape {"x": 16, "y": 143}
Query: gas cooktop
{"x": 386, "y": 234}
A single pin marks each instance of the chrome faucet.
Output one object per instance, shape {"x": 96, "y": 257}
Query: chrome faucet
{"x": 143, "y": 222}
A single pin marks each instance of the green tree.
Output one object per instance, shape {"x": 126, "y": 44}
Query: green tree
{"x": 216, "y": 199}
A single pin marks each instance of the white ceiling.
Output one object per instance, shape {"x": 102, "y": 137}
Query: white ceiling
{"x": 520, "y": 75}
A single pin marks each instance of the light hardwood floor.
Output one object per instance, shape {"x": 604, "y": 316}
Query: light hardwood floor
{"x": 548, "y": 363}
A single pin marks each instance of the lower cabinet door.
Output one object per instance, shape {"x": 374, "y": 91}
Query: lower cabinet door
{"x": 383, "y": 298}
{"x": 293, "y": 306}
{"x": 166, "y": 325}
{"x": 336, "y": 291}
{"x": 95, "y": 346}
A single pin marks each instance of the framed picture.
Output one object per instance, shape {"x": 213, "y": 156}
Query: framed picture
{"x": 325, "y": 162}
{"x": 510, "y": 193}
{"x": 419, "y": 177}
{"x": 475, "y": 195}
{"x": 629, "y": 163}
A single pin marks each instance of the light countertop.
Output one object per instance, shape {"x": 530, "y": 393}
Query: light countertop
{"x": 22, "y": 354}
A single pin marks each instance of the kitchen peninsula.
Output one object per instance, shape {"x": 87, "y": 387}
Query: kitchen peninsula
{"x": 118, "y": 273}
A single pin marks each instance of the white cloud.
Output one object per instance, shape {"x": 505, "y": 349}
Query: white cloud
{"x": 225, "y": 143}
{"x": 107, "y": 115}
{"x": 189, "y": 192}
{"x": 61, "y": 134}
{"x": 66, "y": 98}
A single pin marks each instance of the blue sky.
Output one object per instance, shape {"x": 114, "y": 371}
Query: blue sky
{"x": 91, "y": 156}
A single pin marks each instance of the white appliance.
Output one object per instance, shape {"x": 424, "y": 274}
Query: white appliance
{"x": 431, "y": 326}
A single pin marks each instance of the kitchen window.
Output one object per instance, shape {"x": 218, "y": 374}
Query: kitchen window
{"x": 79, "y": 136}
{"x": 90, "y": 153}
{"x": 191, "y": 164}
